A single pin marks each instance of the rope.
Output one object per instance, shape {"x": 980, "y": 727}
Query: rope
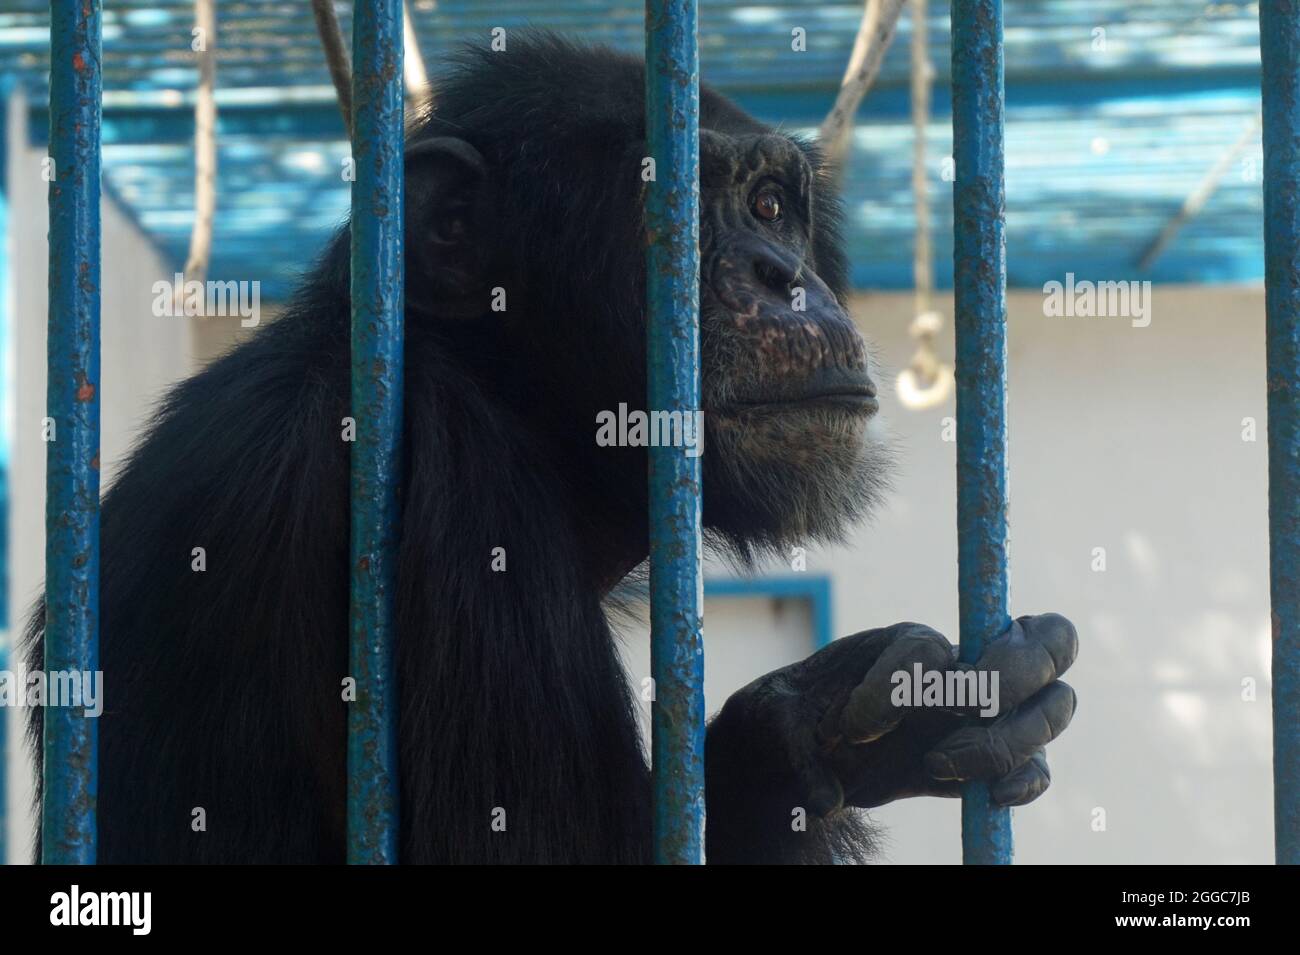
{"x": 336, "y": 57}
{"x": 205, "y": 149}
{"x": 875, "y": 33}
{"x": 926, "y": 381}
{"x": 416, "y": 76}
{"x": 1201, "y": 194}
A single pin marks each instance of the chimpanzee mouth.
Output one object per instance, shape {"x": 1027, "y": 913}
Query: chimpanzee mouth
{"x": 851, "y": 403}
{"x": 837, "y": 389}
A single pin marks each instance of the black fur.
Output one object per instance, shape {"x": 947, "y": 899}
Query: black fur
{"x": 223, "y": 688}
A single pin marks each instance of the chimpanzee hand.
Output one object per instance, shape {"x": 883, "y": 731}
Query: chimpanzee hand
{"x": 826, "y": 731}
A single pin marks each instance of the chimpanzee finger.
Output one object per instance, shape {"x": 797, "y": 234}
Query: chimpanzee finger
{"x": 1030, "y": 655}
{"x": 1024, "y": 784}
{"x": 993, "y": 751}
{"x": 869, "y": 712}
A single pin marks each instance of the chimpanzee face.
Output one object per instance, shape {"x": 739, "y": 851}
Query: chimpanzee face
{"x": 791, "y": 346}
{"x": 539, "y": 195}
{"x": 786, "y": 384}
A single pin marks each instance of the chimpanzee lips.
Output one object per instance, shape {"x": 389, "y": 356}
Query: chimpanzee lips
{"x": 851, "y": 390}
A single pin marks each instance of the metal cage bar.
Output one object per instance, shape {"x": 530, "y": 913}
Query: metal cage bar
{"x": 1279, "y": 32}
{"x": 672, "y": 97}
{"x": 980, "y": 306}
{"x": 377, "y": 339}
{"x": 72, "y": 402}
{"x": 6, "y": 413}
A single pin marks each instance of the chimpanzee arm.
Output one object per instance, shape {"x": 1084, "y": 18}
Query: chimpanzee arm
{"x": 761, "y": 815}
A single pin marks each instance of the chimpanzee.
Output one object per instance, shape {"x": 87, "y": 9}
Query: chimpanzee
{"x": 525, "y": 319}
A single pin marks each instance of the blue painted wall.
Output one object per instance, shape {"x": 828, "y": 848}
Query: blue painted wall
{"x": 1106, "y": 133}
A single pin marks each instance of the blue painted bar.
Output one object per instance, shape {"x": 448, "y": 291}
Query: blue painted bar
{"x": 377, "y": 336}
{"x": 673, "y": 277}
{"x": 72, "y": 401}
{"x": 6, "y": 414}
{"x": 1279, "y": 31}
{"x": 980, "y": 303}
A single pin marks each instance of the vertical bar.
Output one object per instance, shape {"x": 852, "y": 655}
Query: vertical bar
{"x": 1279, "y": 33}
{"x": 980, "y": 303}
{"x": 377, "y": 334}
{"x": 72, "y": 401}
{"x": 6, "y": 415}
{"x": 673, "y": 340}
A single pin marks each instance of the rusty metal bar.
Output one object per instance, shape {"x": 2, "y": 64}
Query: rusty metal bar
{"x": 377, "y": 340}
{"x": 6, "y": 412}
{"x": 1279, "y": 33}
{"x": 672, "y": 96}
{"x": 980, "y": 305}
{"x": 72, "y": 403}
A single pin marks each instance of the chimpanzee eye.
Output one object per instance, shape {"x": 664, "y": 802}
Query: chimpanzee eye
{"x": 767, "y": 205}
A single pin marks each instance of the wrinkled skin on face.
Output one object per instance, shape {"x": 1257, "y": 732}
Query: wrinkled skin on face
{"x": 786, "y": 386}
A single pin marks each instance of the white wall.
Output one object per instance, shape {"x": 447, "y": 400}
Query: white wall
{"x": 747, "y": 636}
{"x": 1128, "y": 439}
{"x": 140, "y": 356}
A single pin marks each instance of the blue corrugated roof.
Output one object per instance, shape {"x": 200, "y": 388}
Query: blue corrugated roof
{"x": 1107, "y": 132}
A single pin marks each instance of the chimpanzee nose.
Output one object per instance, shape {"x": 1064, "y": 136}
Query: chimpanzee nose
{"x": 774, "y": 269}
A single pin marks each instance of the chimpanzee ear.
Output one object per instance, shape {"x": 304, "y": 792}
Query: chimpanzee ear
{"x": 446, "y": 224}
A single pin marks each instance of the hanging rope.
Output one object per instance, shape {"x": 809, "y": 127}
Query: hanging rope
{"x": 922, "y": 76}
{"x": 875, "y": 33}
{"x": 205, "y": 149}
{"x": 415, "y": 77}
{"x": 926, "y": 381}
{"x": 1201, "y": 194}
{"x": 336, "y": 56}
{"x": 414, "y": 73}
